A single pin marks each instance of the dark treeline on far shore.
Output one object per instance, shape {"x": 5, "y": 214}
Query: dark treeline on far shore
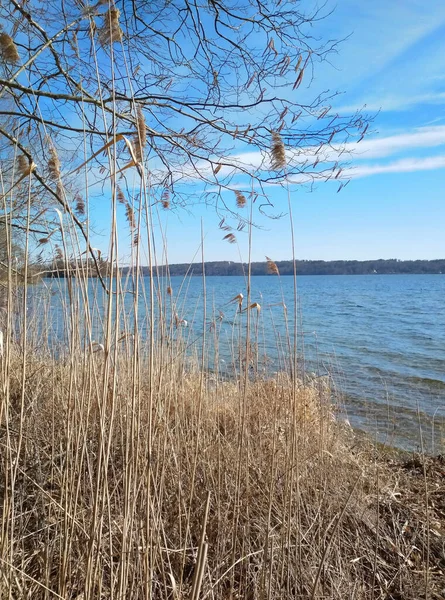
{"x": 285, "y": 267}
{"x": 311, "y": 267}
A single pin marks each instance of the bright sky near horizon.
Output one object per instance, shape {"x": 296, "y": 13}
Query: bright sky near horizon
{"x": 394, "y": 63}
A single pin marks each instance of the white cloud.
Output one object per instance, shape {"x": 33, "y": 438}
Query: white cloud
{"x": 394, "y": 102}
{"x": 377, "y": 147}
{"x": 424, "y": 137}
{"x": 352, "y": 153}
{"x": 405, "y": 165}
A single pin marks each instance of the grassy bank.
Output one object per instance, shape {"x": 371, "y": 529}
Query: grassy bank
{"x": 130, "y": 476}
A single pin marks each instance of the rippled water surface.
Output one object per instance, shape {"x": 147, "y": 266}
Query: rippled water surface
{"x": 382, "y": 337}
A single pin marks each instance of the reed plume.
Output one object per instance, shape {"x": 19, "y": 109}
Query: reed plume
{"x": 230, "y": 237}
{"x": 165, "y": 198}
{"x": 140, "y": 139}
{"x": 8, "y": 49}
{"x": 129, "y": 214}
{"x": 111, "y": 31}
{"x": 80, "y": 204}
{"x": 53, "y": 164}
{"x": 120, "y": 196}
{"x": 278, "y": 153}
{"x": 272, "y": 266}
{"x": 25, "y": 166}
{"x": 240, "y": 199}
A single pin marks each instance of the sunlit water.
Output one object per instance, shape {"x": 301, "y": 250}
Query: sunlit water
{"x": 381, "y": 338}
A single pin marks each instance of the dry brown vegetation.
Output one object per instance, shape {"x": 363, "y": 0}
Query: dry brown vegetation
{"x": 111, "y": 489}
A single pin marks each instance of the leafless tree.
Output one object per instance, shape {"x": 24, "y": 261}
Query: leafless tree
{"x": 180, "y": 89}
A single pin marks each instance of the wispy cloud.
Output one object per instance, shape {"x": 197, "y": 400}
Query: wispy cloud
{"x": 351, "y": 155}
{"x": 379, "y": 147}
{"x": 395, "y": 102}
{"x": 372, "y": 148}
{"x": 405, "y": 165}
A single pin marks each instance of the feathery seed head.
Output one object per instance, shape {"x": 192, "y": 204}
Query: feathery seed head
{"x": 25, "y": 166}
{"x": 240, "y": 199}
{"x": 140, "y": 138}
{"x": 272, "y": 267}
{"x": 8, "y": 50}
{"x": 165, "y": 198}
{"x": 111, "y": 31}
{"x": 53, "y": 164}
{"x": 278, "y": 153}
{"x": 129, "y": 214}
{"x": 120, "y": 196}
{"x": 230, "y": 237}
{"x": 80, "y": 204}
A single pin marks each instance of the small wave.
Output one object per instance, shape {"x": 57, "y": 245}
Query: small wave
{"x": 434, "y": 383}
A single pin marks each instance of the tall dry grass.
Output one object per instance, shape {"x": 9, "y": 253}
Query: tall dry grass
{"x": 129, "y": 469}
{"x": 116, "y": 487}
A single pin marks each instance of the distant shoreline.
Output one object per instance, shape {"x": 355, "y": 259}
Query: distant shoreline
{"x": 307, "y": 267}
{"x": 285, "y": 267}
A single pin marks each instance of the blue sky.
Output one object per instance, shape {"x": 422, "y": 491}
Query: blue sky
{"x": 394, "y": 63}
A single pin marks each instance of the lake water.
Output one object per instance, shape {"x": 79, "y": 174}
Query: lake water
{"x": 381, "y": 337}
